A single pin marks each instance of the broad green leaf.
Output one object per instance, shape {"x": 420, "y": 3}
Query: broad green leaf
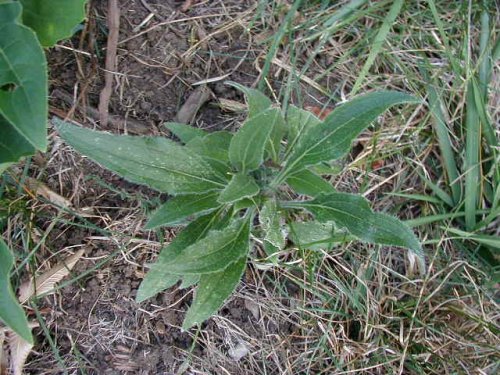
{"x": 154, "y": 161}
{"x": 53, "y": 20}
{"x": 181, "y": 207}
{"x": 273, "y": 145}
{"x": 332, "y": 138}
{"x": 23, "y": 85}
{"x": 13, "y": 146}
{"x": 246, "y": 151}
{"x": 315, "y": 235}
{"x": 331, "y": 169}
{"x": 241, "y": 186}
{"x": 189, "y": 280}
{"x": 212, "y": 291}
{"x": 185, "y": 133}
{"x": 298, "y": 121}
{"x": 214, "y": 148}
{"x": 257, "y": 102}
{"x": 11, "y": 313}
{"x": 353, "y": 213}
{"x": 215, "y": 252}
{"x": 309, "y": 183}
{"x": 270, "y": 222}
{"x": 158, "y": 279}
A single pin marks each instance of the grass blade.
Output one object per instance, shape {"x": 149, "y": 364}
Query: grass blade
{"x": 378, "y": 42}
{"x": 471, "y": 162}
{"x": 441, "y": 128}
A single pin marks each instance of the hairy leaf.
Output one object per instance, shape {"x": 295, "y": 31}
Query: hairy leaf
{"x": 154, "y": 161}
{"x": 257, "y": 101}
{"x": 246, "y": 151}
{"x": 353, "y": 213}
{"x": 189, "y": 280}
{"x": 158, "y": 278}
{"x": 241, "y": 186}
{"x": 315, "y": 235}
{"x": 11, "y": 313}
{"x": 53, "y": 20}
{"x": 214, "y": 148}
{"x": 309, "y": 183}
{"x": 185, "y": 133}
{"x": 273, "y": 145}
{"x": 299, "y": 121}
{"x": 212, "y": 291}
{"x": 215, "y": 252}
{"x": 23, "y": 86}
{"x": 181, "y": 207}
{"x": 332, "y": 138}
{"x": 270, "y": 221}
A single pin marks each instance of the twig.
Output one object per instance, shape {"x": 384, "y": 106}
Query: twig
{"x": 114, "y": 28}
{"x": 130, "y": 125}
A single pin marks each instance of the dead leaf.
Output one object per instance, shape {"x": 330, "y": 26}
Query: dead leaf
{"x": 190, "y": 108}
{"x": 45, "y": 282}
{"x": 377, "y": 164}
{"x": 187, "y": 4}
{"x": 239, "y": 351}
{"x": 253, "y": 307}
{"x": 229, "y": 105}
{"x": 19, "y": 350}
{"x": 319, "y": 112}
{"x": 43, "y": 190}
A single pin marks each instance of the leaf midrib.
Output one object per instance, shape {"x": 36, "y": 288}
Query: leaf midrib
{"x": 308, "y": 150}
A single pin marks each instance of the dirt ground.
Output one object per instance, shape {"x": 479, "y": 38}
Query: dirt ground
{"x": 97, "y": 327}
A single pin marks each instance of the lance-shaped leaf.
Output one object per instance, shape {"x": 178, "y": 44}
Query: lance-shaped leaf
{"x": 212, "y": 291}
{"x": 246, "y": 151}
{"x": 215, "y": 252}
{"x": 214, "y": 149}
{"x": 309, "y": 183}
{"x": 11, "y": 313}
{"x": 257, "y": 102}
{"x": 185, "y": 133}
{"x": 154, "y": 161}
{"x": 241, "y": 186}
{"x": 332, "y": 138}
{"x": 273, "y": 146}
{"x": 315, "y": 235}
{"x": 23, "y": 86}
{"x": 181, "y": 207}
{"x": 299, "y": 121}
{"x": 270, "y": 222}
{"x": 352, "y": 212}
{"x": 53, "y": 20}
{"x": 158, "y": 279}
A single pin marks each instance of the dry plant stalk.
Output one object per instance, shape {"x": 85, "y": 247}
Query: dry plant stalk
{"x": 114, "y": 29}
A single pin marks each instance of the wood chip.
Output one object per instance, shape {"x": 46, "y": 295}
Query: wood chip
{"x": 194, "y": 102}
